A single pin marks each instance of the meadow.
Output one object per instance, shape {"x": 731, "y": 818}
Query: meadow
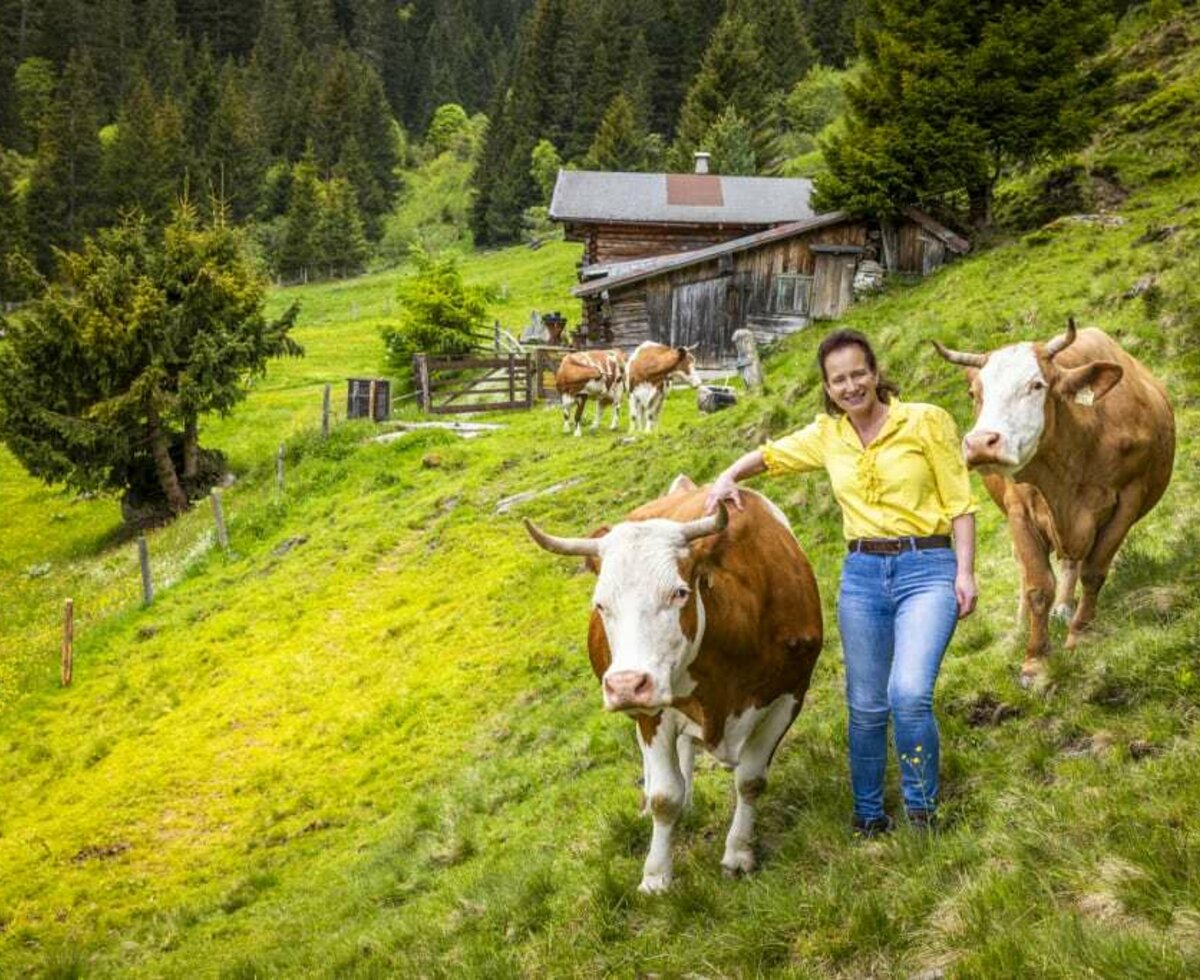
{"x": 366, "y": 741}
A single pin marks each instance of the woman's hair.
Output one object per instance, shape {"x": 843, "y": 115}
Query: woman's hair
{"x": 852, "y": 338}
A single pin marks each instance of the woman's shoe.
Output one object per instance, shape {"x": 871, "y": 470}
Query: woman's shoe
{"x": 922, "y": 820}
{"x": 864, "y": 828}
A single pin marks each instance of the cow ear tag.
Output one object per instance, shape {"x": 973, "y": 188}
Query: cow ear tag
{"x": 1085, "y": 396}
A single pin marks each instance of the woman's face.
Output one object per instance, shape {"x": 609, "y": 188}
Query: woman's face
{"x": 850, "y": 381}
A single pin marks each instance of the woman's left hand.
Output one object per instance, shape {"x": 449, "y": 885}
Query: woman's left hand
{"x": 966, "y": 593}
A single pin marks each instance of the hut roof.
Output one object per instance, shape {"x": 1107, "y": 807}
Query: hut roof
{"x": 625, "y": 273}
{"x": 603, "y": 196}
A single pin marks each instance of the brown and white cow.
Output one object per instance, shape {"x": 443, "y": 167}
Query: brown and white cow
{"x": 703, "y": 629}
{"x": 1076, "y": 440}
{"x": 599, "y": 373}
{"x": 648, "y": 376}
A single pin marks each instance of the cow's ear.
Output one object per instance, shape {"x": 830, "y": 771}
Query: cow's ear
{"x": 1089, "y": 382}
{"x": 592, "y": 562}
{"x": 681, "y": 482}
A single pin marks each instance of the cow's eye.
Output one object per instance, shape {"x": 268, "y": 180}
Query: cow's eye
{"x": 1037, "y": 385}
{"x": 680, "y": 595}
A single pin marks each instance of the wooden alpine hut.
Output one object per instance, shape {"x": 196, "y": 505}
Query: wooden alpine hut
{"x": 688, "y": 259}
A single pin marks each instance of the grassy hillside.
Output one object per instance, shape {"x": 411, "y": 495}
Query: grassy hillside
{"x": 367, "y": 743}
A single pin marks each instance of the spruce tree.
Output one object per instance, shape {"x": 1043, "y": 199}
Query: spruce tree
{"x": 63, "y": 202}
{"x": 161, "y": 58}
{"x": 236, "y": 154}
{"x": 34, "y": 84}
{"x": 104, "y": 376}
{"x": 731, "y": 143}
{"x": 782, "y": 39}
{"x": 954, "y": 93}
{"x": 203, "y": 96}
{"x": 831, "y": 26}
{"x": 13, "y": 239}
{"x": 113, "y": 40}
{"x": 145, "y": 165}
{"x": 298, "y": 256}
{"x": 733, "y": 73}
{"x": 339, "y": 238}
{"x": 619, "y": 143}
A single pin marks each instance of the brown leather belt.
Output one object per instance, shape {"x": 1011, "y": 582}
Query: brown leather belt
{"x": 893, "y": 546}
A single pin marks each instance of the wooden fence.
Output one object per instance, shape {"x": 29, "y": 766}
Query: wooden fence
{"x": 445, "y": 385}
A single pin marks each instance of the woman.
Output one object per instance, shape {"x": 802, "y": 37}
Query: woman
{"x": 898, "y": 474}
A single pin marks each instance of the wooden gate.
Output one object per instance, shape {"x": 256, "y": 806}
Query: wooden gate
{"x": 446, "y": 385}
{"x": 832, "y": 279}
{"x": 699, "y": 317}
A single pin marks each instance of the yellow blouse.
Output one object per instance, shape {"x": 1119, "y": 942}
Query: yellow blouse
{"x": 911, "y": 480}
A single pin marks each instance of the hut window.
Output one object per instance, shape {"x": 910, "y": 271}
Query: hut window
{"x": 792, "y": 294}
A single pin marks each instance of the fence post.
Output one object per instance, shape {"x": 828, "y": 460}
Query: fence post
{"x": 512, "y": 381}
{"x": 325, "y": 412}
{"x": 68, "y": 644}
{"x": 279, "y": 457}
{"x": 144, "y": 560}
{"x": 219, "y": 517}
{"x": 421, "y": 381}
{"x": 496, "y": 336}
{"x": 528, "y": 381}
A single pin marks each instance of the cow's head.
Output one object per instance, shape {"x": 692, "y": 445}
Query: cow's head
{"x": 646, "y": 600}
{"x": 1016, "y": 390}
{"x": 685, "y": 368}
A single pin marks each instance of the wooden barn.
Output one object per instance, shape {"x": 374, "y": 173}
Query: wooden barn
{"x": 688, "y": 259}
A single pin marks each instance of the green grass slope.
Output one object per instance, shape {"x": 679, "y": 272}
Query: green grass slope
{"x": 366, "y": 742}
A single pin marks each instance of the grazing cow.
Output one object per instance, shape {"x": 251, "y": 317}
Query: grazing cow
{"x": 703, "y": 629}
{"x": 647, "y": 377}
{"x": 1076, "y": 440}
{"x": 599, "y": 373}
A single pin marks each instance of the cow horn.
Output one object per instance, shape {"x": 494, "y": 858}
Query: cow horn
{"x": 705, "y": 526}
{"x": 588, "y": 547}
{"x": 961, "y": 357}
{"x": 1059, "y": 344}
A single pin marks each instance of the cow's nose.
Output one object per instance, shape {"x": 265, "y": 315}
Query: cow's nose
{"x": 626, "y": 689}
{"x": 981, "y": 447}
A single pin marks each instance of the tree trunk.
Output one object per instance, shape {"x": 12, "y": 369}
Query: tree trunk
{"x": 168, "y": 479}
{"x": 979, "y": 200}
{"x": 191, "y": 448}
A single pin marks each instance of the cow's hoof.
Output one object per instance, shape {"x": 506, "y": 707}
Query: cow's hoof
{"x": 1035, "y": 678}
{"x": 1063, "y": 612}
{"x": 655, "y": 884}
{"x": 737, "y": 863}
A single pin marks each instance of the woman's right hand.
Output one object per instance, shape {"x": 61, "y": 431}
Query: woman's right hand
{"x": 724, "y": 488}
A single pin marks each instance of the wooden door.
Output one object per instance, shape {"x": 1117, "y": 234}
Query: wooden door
{"x": 699, "y": 317}
{"x": 832, "y": 279}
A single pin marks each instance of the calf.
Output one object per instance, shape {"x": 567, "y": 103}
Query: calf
{"x": 702, "y": 629}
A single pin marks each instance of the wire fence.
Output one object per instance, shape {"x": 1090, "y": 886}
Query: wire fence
{"x": 34, "y": 633}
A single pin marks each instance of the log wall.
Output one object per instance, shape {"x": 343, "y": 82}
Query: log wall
{"x": 742, "y": 286}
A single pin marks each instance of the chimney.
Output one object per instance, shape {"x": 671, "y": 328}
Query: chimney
{"x": 702, "y": 159}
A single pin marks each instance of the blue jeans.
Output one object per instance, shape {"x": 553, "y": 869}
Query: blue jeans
{"x": 896, "y": 614}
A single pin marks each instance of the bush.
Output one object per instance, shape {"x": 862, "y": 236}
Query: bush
{"x": 1063, "y": 188}
{"x": 438, "y": 314}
